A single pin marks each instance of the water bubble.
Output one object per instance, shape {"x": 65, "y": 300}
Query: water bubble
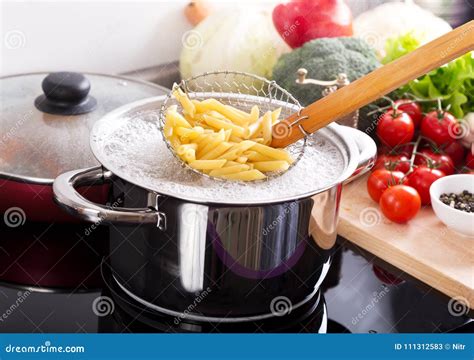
{"x": 134, "y": 150}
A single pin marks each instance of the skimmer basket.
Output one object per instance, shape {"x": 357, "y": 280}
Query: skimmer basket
{"x": 241, "y": 90}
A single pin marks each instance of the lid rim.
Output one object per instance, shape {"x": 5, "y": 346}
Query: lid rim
{"x": 121, "y": 77}
{"x": 26, "y": 179}
{"x": 26, "y": 173}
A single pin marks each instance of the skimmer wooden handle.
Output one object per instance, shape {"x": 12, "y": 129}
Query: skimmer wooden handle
{"x": 376, "y": 84}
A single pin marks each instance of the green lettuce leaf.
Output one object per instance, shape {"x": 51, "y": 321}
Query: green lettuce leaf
{"x": 453, "y": 82}
{"x": 399, "y": 46}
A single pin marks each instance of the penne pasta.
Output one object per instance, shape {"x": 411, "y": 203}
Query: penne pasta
{"x": 189, "y": 155}
{"x": 274, "y": 165}
{"x": 231, "y": 163}
{"x": 275, "y": 115}
{"x": 277, "y": 154}
{"x": 267, "y": 128}
{"x": 255, "y": 128}
{"x": 198, "y": 106}
{"x": 229, "y": 170}
{"x": 256, "y": 156}
{"x": 243, "y": 113}
{"x": 204, "y": 139}
{"x": 188, "y": 106}
{"x": 254, "y": 114}
{"x": 181, "y": 149}
{"x": 235, "y": 139}
{"x": 248, "y": 175}
{"x": 223, "y": 141}
{"x": 177, "y": 119}
{"x": 229, "y": 112}
{"x": 192, "y": 133}
{"x": 207, "y": 164}
{"x": 215, "y": 140}
{"x": 235, "y": 151}
{"x": 174, "y": 141}
{"x": 218, "y": 150}
{"x": 221, "y": 124}
{"x": 168, "y": 129}
{"x": 218, "y": 115}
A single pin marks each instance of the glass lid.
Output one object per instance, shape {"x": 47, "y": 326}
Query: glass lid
{"x": 46, "y": 119}
{"x": 128, "y": 142}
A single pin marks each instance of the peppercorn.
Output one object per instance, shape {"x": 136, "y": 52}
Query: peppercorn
{"x": 463, "y": 201}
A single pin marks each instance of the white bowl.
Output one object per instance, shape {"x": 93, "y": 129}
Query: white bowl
{"x": 457, "y": 220}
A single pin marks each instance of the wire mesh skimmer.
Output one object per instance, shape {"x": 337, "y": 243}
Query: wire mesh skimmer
{"x": 241, "y": 90}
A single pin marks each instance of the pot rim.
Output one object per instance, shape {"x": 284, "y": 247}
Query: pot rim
{"x": 49, "y": 181}
{"x": 351, "y": 149}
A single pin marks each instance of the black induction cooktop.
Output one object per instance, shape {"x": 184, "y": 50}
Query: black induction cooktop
{"x": 53, "y": 278}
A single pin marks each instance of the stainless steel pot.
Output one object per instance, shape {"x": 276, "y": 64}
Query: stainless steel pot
{"x": 214, "y": 261}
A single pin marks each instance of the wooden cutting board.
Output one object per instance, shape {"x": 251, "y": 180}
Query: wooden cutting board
{"x": 424, "y": 248}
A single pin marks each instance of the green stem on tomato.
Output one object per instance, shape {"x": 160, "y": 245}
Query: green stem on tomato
{"x": 392, "y": 179}
{"x": 388, "y": 99}
{"x": 379, "y": 109}
{"x": 382, "y": 108}
{"x": 413, "y": 155}
{"x": 440, "y": 110}
{"x": 429, "y": 161}
{"x": 394, "y": 150}
{"x": 417, "y": 99}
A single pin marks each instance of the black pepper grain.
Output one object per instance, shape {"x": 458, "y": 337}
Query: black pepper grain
{"x": 463, "y": 201}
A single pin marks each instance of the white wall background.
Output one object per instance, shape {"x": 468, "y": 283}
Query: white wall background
{"x": 96, "y": 36}
{"x": 99, "y": 36}
{"x": 110, "y": 36}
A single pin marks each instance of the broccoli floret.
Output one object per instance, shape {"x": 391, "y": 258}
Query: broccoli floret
{"x": 324, "y": 59}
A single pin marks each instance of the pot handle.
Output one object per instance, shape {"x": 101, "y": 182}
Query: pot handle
{"x": 367, "y": 152}
{"x": 66, "y": 196}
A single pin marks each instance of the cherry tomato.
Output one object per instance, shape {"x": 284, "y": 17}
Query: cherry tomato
{"x": 411, "y": 108}
{"x": 380, "y": 180}
{"x": 440, "y": 127}
{"x": 400, "y": 203}
{"x": 421, "y": 179}
{"x": 470, "y": 160}
{"x": 395, "y": 128}
{"x": 438, "y": 161}
{"x": 456, "y": 152}
{"x": 393, "y": 163}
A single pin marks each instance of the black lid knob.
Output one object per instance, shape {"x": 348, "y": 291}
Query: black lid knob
{"x": 66, "y": 86}
{"x": 65, "y": 93}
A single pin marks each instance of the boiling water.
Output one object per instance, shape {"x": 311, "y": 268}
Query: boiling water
{"x": 134, "y": 150}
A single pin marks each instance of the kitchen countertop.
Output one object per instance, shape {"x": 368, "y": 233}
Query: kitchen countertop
{"x": 424, "y": 248}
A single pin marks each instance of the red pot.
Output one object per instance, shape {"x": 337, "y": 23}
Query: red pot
{"x": 44, "y": 132}
{"x": 36, "y": 200}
